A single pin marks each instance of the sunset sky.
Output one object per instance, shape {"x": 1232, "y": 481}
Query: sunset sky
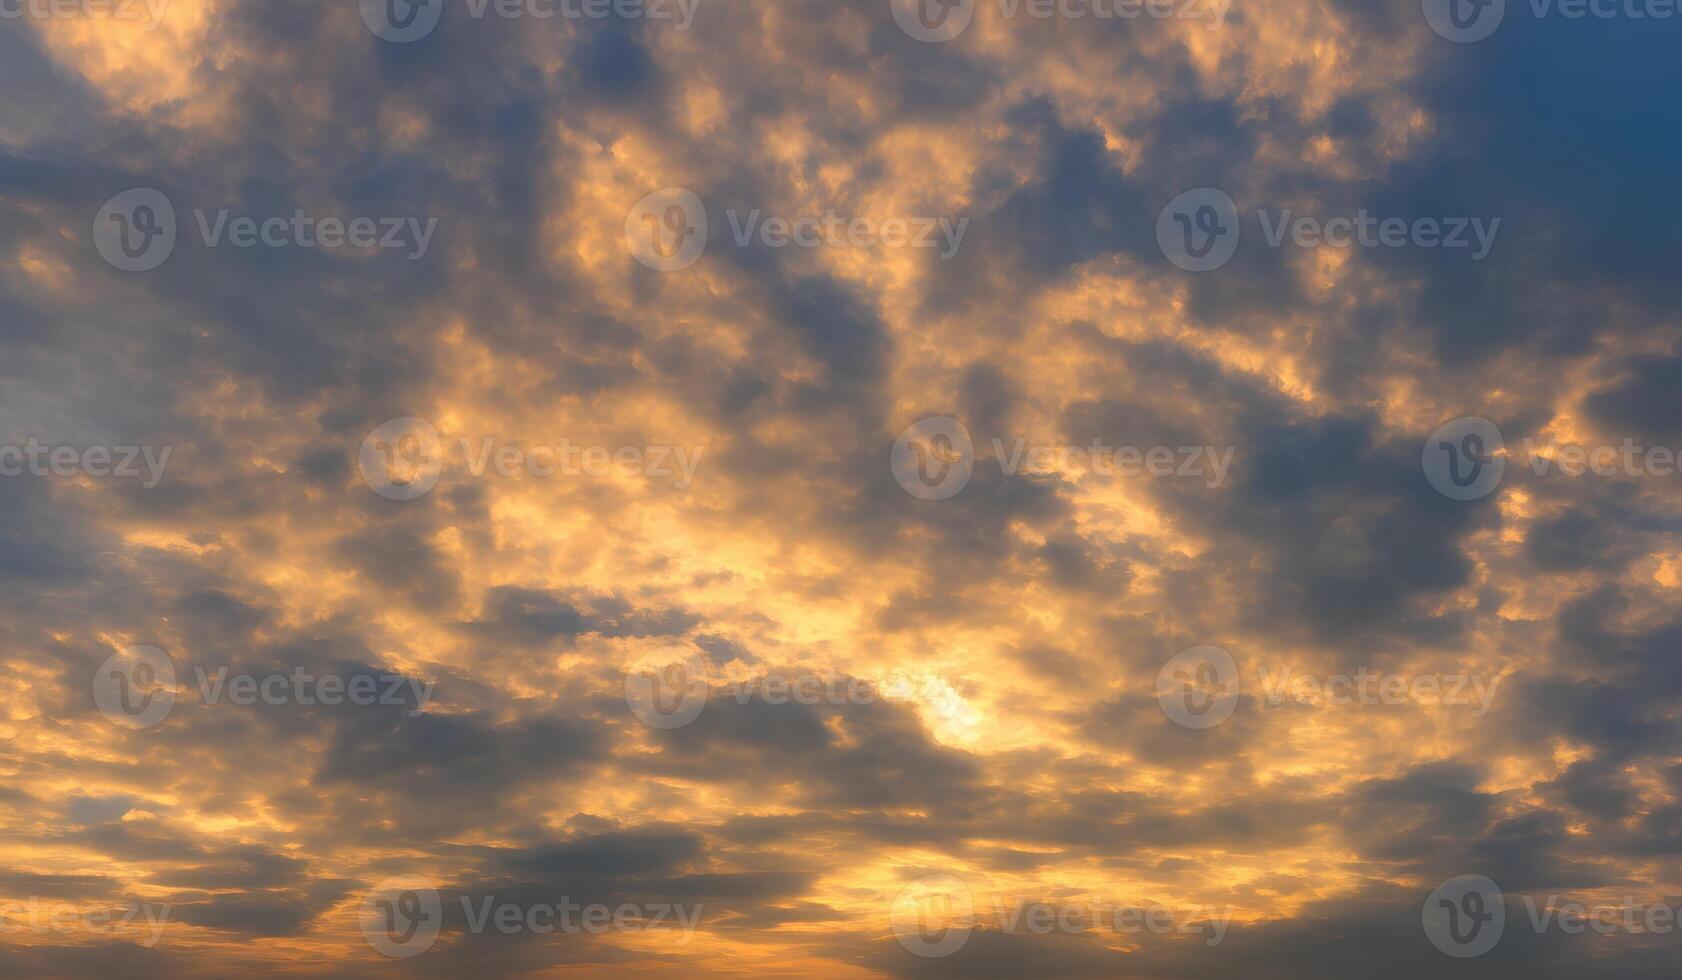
{"x": 881, "y": 488}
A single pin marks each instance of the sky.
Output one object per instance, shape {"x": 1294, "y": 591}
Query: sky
{"x": 840, "y": 488}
